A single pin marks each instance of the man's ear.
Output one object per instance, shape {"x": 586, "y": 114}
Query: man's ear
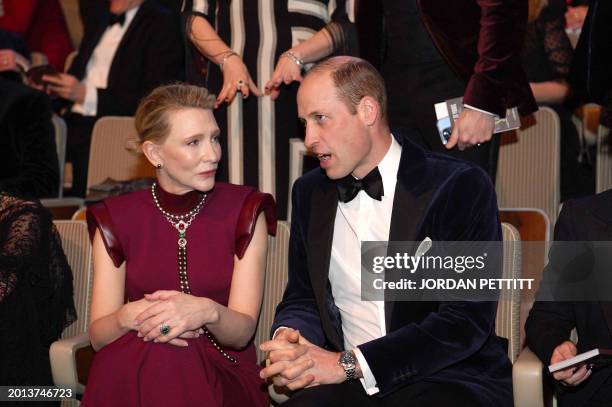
{"x": 369, "y": 111}
{"x": 151, "y": 151}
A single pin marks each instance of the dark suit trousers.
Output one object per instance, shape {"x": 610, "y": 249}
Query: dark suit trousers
{"x": 421, "y": 394}
{"x": 77, "y": 149}
{"x": 412, "y": 92}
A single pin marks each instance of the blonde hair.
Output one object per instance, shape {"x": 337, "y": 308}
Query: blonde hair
{"x": 535, "y": 8}
{"x": 151, "y": 120}
{"x": 354, "y": 79}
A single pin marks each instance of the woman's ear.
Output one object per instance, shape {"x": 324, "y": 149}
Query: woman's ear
{"x": 368, "y": 110}
{"x": 151, "y": 151}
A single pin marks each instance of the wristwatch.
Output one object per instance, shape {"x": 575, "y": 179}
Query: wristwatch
{"x": 347, "y": 361}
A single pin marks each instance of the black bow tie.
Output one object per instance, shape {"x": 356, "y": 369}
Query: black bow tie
{"x": 116, "y": 19}
{"x": 349, "y": 186}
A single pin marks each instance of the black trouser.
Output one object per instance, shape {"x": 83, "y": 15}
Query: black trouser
{"x": 421, "y": 394}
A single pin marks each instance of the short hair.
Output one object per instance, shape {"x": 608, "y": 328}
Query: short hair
{"x": 151, "y": 120}
{"x": 355, "y": 78}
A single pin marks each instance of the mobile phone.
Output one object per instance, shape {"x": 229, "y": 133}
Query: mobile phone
{"x": 36, "y": 73}
{"x": 444, "y": 129}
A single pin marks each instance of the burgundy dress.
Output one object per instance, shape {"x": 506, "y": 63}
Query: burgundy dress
{"x": 131, "y": 372}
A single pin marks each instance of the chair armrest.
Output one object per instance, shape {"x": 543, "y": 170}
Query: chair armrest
{"x": 278, "y": 394}
{"x": 527, "y": 380}
{"x": 62, "y": 355}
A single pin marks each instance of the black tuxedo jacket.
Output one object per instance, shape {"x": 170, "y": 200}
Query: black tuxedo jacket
{"x": 150, "y": 54}
{"x": 28, "y": 155}
{"x": 437, "y": 197}
{"x": 550, "y": 323}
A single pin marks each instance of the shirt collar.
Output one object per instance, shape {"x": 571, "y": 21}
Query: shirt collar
{"x": 129, "y": 15}
{"x": 389, "y": 165}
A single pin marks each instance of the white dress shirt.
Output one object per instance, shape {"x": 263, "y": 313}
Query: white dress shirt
{"x": 362, "y": 219}
{"x": 98, "y": 67}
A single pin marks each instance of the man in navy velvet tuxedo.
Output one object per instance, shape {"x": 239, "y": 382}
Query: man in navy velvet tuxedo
{"x": 326, "y": 340}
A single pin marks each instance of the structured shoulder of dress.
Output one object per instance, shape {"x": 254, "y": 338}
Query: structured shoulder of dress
{"x": 98, "y": 217}
{"x": 255, "y": 203}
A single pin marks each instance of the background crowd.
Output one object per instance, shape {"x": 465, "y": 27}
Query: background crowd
{"x": 260, "y": 57}
{"x": 81, "y": 61}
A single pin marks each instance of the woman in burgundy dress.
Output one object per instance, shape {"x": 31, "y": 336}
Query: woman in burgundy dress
{"x": 179, "y": 270}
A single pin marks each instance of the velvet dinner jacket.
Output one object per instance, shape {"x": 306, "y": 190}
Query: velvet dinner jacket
{"x": 150, "y": 54}
{"x": 481, "y": 40}
{"x": 437, "y": 197}
{"x": 550, "y": 323}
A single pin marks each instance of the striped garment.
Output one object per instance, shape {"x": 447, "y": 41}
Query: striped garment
{"x": 261, "y": 139}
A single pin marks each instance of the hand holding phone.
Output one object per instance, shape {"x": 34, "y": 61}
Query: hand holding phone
{"x": 35, "y": 74}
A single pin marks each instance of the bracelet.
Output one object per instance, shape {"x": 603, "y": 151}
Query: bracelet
{"x": 299, "y": 62}
{"x": 226, "y": 56}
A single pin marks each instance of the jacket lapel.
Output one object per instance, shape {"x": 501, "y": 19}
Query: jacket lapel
{"x": 410, "y": 202}
{"x": 79, "y": 67}
{"x": 323, "y": 206}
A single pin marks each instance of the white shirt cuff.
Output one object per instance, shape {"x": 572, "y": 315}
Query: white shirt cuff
{"x": 278, "y": 329}
{"x": 89, "y": 107}
{"x": 479, "y": 110}
{"x": 368, "y": 381}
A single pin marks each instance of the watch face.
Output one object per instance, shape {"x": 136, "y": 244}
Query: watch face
{"x": 347, "y": 359}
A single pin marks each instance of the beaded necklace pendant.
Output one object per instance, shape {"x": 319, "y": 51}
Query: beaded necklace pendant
{"x": 181, "y": 223}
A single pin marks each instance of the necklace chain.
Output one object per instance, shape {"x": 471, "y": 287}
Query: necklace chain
{"x": 181, "y": 223}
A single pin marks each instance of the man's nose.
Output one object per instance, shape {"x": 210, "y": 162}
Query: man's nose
{"x": 310, "y": 137}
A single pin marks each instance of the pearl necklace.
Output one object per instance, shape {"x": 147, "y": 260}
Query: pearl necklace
{"x": 181, "y": 223}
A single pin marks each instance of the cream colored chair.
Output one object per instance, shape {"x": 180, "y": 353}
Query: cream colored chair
{"x": 80, "y": 214}
{"x": 507, "y": 321}
{"x": 297, "y": 151}
{"x": 76, "y": 245}
{"x": 528, "y": 173}
{"x": 61, "y": 134}
{"x": 70, "y": 9}
{"x": 527, "y": 380}
{"x": 111, "y": 154}
{"x": 276, "y": 280}
{"x": 603, "y": 171}
{"x": 534, "y": 228}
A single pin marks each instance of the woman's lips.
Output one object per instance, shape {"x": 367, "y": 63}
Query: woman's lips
{"x": 209, "y": 173}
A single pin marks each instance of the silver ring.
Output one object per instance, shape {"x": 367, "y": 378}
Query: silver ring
{"x": 241, "y": 83}
{"x": 164, "y": 329}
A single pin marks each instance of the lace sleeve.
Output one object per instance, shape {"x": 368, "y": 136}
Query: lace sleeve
{"x": 20, "y": 242}
{"x": 556, "y": 43}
